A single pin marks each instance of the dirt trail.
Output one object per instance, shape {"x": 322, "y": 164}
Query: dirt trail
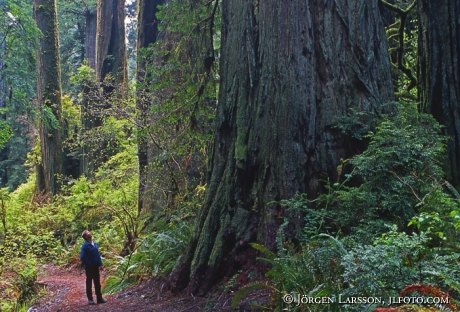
{"x": 65, "y": 292}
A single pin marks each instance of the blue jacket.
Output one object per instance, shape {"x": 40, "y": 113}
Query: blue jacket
{"x": 89, "y": 255}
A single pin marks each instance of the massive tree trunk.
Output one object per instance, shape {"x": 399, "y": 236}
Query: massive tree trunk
{"x": 439, "y": 72}
{"x": 288, "y": 68}
{"x": 110, "y": 41}
{"x": 49, "y": 97}
{"x": 147, "y": 33}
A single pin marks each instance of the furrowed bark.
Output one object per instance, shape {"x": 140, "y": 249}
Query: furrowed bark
{"x": 49, "y": 98}
{"x": 288, "y": 69}
{"x": 439, "y": 73}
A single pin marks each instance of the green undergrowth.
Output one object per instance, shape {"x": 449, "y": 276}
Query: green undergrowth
{"x": 156, "y": 255}
{"x": 390, "y": 222}
{"x": 134, "y": 245}
{"x": 27, "y": 240}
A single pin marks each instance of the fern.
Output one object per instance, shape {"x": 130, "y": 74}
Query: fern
{"x": 271, "y": 256}
{"x": 248, "y": 289}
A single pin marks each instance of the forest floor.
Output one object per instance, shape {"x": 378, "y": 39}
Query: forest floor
{"x": 65, "y": 292}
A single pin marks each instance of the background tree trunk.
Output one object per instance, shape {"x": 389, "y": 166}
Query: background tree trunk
{"x": 439, "y": 72}
{"x": 88, "y": 119}
{"x": 90, "y": 37}
{"x": 110, "y": 41}
{"x": 49, "y": 97}
{"x": 288, "y": 68}
{"x": 147, "y": 33}
{"x": 110, "y": 61}
{"x": 3, "y": 97}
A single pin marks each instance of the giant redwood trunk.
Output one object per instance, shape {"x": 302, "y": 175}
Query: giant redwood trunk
{"x": 439, "y": 72}
{"x": 288, "y": 68}
{"x": 49, "y": 97}
{"x": 147, "y": 33}
{"x": 110, "y": 41}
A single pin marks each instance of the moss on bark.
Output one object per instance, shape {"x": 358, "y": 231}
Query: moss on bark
{"x": 49, "y": 97}
{"x": 288, "y": 68}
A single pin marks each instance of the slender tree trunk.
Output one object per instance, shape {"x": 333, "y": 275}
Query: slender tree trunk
{"x": 3, "y": 92}
{"x": 288, "y": 68}
{"x": 439, "y": 72}
{"x": 49, "y": 97}
{"x": 147, "y": 33}
{"x": 89, "y": 120}
{"x": 90, "y": 37}
{"x": 3, "y": 88}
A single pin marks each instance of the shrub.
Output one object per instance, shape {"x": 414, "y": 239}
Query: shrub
{"x": 314, "y": 271}
{"x": 395, "y": 261}
{"x": 156, "y": 255}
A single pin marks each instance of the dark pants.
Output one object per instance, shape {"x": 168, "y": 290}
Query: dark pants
{"x": 92, "y": 274}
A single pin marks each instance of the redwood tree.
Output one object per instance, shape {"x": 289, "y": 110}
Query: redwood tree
{"x": 87, "y": 117}
{"x": 439, "y": 72}
{"x": 288, "y": 69}
{"x": 147, "y": 34}
{"x": 110, "y": 40}
{"x": 106, "y": 51}
{"x": 49, "y": 97}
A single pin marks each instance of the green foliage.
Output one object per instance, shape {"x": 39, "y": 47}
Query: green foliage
{"x": 398, "y": 178}
{"x": 49, "y": 118}
{"x": 394, "y": 261}
{"x": 353, "y": 124}
{"x": 18, "y": 33}
{"x": 440, "y": 216}
{"x": 402, "y": 35}
{"x": 157, "y": 255}
{"x": 180, "y": 90}
{"x": 84, "y": 75}
{"x": 72, "y": 116}
{"x": 32, "y": 234}
{"x": 393, "y": 178}
{"x": 111, "y": 197}
{"x": 313, "y": 270}
{"x": 18, "y": 278}
{"x": 6, "y": 132}
{"x": 32, "y": 228}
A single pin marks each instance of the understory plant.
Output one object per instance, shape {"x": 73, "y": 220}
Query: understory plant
{"x": 395, "y": 261}
{"x": 18, "y": 282}
{"x": 391, "y": 219}
{"x": 156, "y": 255}
{"x": 391, "y": 180}
{"x": 31, "y": 235}
{"x": 312, "y": 270}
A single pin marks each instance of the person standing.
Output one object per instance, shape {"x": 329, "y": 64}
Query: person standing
{"x": 91, "y": 258}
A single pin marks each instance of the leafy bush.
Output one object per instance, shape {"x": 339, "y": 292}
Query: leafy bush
{"x": 314, "y": 271}
{"x": 389, "y": 183}
{"x": 397, "y": 171}
{"x": 17, "y": 282}
{"x": 157, "y": 255}
{"x": 395, "y": 261}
